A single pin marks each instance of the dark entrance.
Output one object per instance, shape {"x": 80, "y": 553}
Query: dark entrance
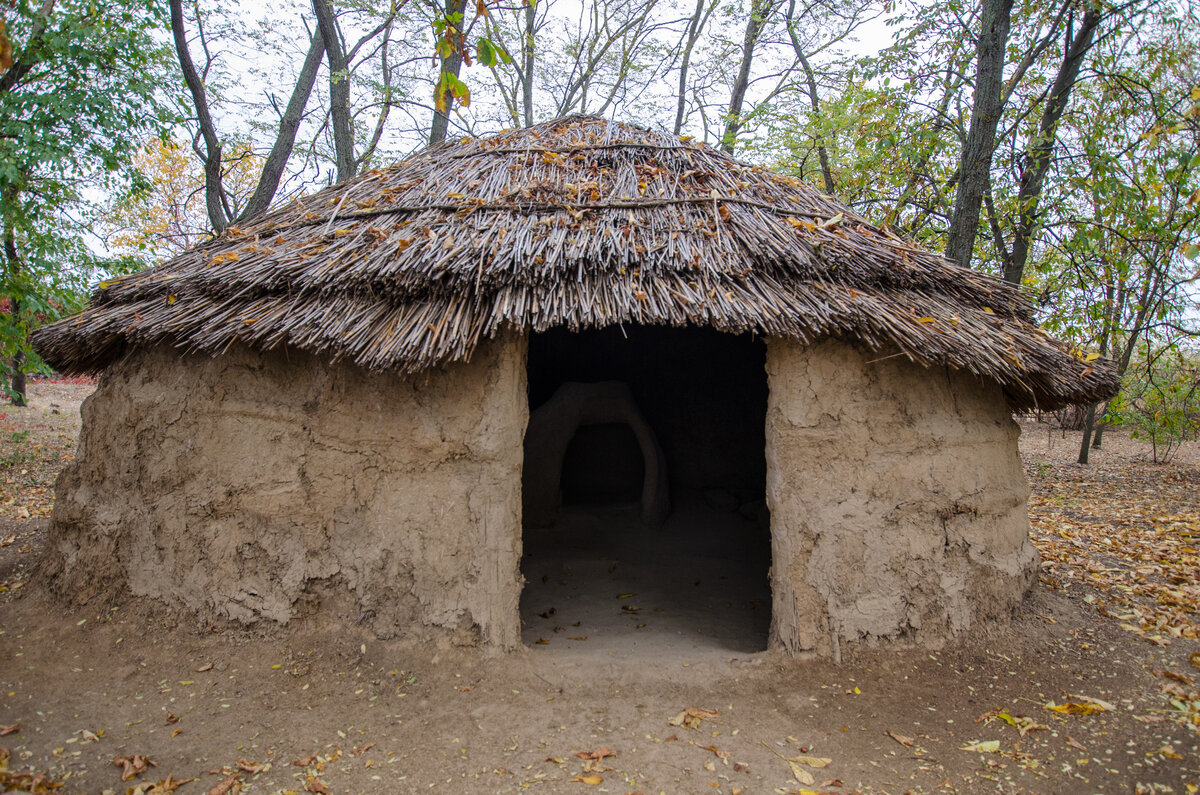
{"x": 603, "y": 566}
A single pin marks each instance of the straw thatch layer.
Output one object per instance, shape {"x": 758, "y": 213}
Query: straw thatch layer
{"x": 579, "y": 222}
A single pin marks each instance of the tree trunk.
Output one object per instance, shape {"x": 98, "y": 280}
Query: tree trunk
{"x": 285, "y": 139}
{"x": 1088, "y": 423}
{"x": 213, "y": 189}
{"x": 339, "y": 90}
{"x": 976, "y": 160}
{"x": 13, "y": 264}
{"x": 1036, "y": 162}
{"x": 18, "y": 377}
{"x": 450, "y": 65}
{"x": 814, "y": 99}
{"x": 693, "y": 33}
{"x": 528, "y": 61}
{"x": 754, "y": 26}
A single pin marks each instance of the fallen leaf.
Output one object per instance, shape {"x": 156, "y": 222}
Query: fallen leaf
{"x": 800, "y": 774}
{"x": 1194, "y": 659}
{"x": 1177, "y": 677}
{"x": 205, "y": 667}
{"x": 172, "y": 718}
{"x": 253, "y": 767}
{"x": 312, "y": 784}
{"x": 1071, "y": 741}
{"x": 718, "y": 752}
{"x": 982, "y": 746}
{"x": 133, "y": 765}
{"x": 907, "y": 742}
{"x": 591, "y": 780}
{"x": 690, "y": 718}
{"x": 11, "y": 729}
{"x": 362, "y": 749}
{"x": 1169, "y": 752}
{"x": 305, "y": 761}
{"x": 811, "y": 761}
{"x": 169, "y": 784}
{"x": 230, "y": 786}
{"x": 1085, "y": 706}
{"x": 599, "y": 753}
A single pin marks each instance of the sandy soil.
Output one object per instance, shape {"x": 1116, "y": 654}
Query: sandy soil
{"x": 323, "y": 708}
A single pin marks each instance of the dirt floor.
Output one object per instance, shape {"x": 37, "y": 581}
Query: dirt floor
{"x": 1091, "y": 689}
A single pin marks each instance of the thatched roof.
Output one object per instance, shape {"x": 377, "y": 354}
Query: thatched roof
{"x": 578, "y": 222}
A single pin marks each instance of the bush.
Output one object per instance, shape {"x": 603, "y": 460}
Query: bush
{"x": 1160, "y": 400}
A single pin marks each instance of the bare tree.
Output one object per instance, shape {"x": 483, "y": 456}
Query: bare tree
{"x": 760, "y": 10}
{"x": 221, "y": 211}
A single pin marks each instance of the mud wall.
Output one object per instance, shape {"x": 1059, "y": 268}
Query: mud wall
{"x": 897, "y": 499}
{"x": 257, "y": 486}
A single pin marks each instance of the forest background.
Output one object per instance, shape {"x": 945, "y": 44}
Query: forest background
{"x": 1054, "y": 144}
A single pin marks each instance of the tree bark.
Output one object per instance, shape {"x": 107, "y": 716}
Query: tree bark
{"x": 759, "y": 9}
{"x": 213, "y": 189}
{"x": 13, "y": 74}
{"x": 528, "y": 60}
{"x": 695, "y": 26}
{"x": 814, "y": 99}
{"x": 339, "y": 90}
{"x": 1088, "y": 423}
{"x": 1036, "y": 162}
{"x": 976, "y": 161}
{"x": 17, "y": 384}
{"x": 285, "y": 139}
{"x": 13, "y": 263}
{"x": 450, "y": 65}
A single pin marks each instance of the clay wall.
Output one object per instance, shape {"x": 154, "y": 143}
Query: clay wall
{"x": 251, "y": 485}
{"x": 897, "y": 500}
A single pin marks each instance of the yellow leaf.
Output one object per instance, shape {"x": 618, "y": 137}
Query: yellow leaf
{"x": 800, "y": 774}
{"x": 591, "y": 780}
{"x": 987, "y": 310}
{"x": 926, "y": 320}
{"x": 172, "y": 299}
{"x": 1091, "y": 357}
{"x": 1085, "y": 706}
{"x": 983, "y": 747}
{"x": 1169, "y": 752}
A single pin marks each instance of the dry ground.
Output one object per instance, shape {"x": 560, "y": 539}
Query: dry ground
{"x": 1108, "y": 637}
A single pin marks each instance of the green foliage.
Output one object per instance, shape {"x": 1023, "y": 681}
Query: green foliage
{"x": 85, "y": 84}
{"x": 1160, "y": 400}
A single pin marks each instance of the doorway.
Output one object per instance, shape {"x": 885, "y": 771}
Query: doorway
{"x": 602, "y": 571}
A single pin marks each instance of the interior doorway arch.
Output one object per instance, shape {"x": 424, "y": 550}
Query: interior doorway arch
{"x": 551, "y": 428}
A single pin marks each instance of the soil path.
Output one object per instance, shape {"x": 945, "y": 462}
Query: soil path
{"x": 1111, "y": 630}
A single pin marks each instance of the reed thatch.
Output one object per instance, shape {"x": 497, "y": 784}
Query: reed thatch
{"x": 578, "y": 222}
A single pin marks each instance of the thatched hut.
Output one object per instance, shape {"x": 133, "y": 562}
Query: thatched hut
{"x": 334, "y": 398}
